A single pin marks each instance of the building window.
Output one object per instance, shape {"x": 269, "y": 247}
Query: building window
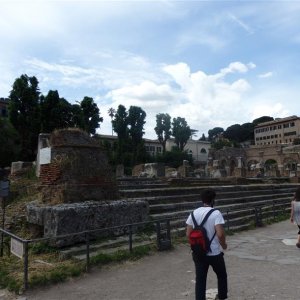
{"x": 290, "y": 133}
{"x": 279, "y": 126}
{"x": 203, "y": 150}
{"x": 158, "y": 149}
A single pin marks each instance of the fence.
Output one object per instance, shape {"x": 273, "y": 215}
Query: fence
{"x": 163, "y": 233}
{"x": 163, "y": 239}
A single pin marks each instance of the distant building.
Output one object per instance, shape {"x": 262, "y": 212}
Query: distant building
{"x": 3, "y": 107}
{"x": 279, "y": 131}
{"x": 198, "y": 149}
{"x": 152, "y": 147}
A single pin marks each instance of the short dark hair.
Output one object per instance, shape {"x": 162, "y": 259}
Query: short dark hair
{"x": 297, "y": 194}
{"x": 208, "y": 196}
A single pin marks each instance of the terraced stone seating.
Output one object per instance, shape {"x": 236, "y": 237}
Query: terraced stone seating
{"x": 241, "y": 205}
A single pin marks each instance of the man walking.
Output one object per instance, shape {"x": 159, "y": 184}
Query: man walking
{"x": 216, "y": 236}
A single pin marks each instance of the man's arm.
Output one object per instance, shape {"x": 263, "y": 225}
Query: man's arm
{"x": 292, "y": 212}
{"x": 221, "y": 235}
{"x": 189, "y": 228}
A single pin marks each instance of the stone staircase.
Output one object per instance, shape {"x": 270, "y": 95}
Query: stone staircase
{"x": 237, "y": 202}
{"x": 241, "y": 206}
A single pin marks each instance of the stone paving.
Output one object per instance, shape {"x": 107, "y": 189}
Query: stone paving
{"x": 261, "y": 264}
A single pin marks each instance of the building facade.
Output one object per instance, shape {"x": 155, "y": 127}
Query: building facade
{"x": 198, "y": 149}
{"x": 279, "y": 131}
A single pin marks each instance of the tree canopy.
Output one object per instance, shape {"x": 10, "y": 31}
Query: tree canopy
{"x": 56, "y": 112}
{"x": 31, "y": 113}
{"x": 9, "y": 143}
{"x": 181, "y": 132}
{"x": 214, "y": 133}
{"x": 90, "y": 115}
{"x": 163, "y": 129}
{"x": 262, "y": 120}
{"x": 24, "y": 114}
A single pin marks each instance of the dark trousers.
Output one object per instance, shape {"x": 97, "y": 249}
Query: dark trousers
{"x": 218, "y": 264}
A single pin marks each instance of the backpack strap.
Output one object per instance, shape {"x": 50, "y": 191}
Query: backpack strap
{"x": 206, "y": 217}
{"x": 204, "y": 220}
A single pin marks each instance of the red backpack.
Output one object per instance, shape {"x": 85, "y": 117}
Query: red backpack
{"x": 199, "y": 242}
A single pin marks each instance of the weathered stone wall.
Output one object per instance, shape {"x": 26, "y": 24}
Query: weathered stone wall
{"x": 78, "y": 170}
{"x": 77, "y": 217}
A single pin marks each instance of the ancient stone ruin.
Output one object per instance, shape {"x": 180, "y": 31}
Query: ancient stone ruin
{"x": 78, "y": 190}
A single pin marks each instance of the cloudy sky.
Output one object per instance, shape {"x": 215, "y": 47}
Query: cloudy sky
{"x": 215, "y": 63}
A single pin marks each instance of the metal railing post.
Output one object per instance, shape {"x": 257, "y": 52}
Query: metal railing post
{"x": 256, "y": 217}
{"x": 87, "y": 240}
{"x": 2, "y": 225}
{"x": 158, "y": 234}
{"x": 25, "y": 243}
{"x": 168, "y": 230}
{"x": 130, "y": 238}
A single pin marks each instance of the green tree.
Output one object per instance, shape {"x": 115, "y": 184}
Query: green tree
{"x": 262, "y": 120}
{"x": 24, "y": 114}
{"x": 56, "y": 112}
{"x": 9, "y": 143}
{"x": 91, "y": 115}
{"x": 220, "y": 144}
{"x": 111, "y": 112}
{"x": 174, "y": 157}
{"x": 163, "y": 129}
{"x": 203, "y": 138}
{"x": 247, "y": 132}
{"x": 120, "y": 123}
{"x": 120, "y": 126}
{"x": 181, "y": 132}
{"x": 234, "y": 133}
{"x": 214, "y": 133}
{"x": 136, "y": 122}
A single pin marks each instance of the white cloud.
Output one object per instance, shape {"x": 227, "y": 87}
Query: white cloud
{"x": 237, "y": 67}
{"x": 266, "y": 75}
{"x": 242, "y": 24}
{"x": 205, "y": 101}
{"x": 276, "y": 110}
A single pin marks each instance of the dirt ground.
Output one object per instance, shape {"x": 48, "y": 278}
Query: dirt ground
{"x": 261, "y": 264}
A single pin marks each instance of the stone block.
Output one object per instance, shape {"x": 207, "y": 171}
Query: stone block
{"x": 65, "y": 219}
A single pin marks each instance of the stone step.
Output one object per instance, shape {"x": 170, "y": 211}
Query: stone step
{"x": 111, "y": 250}
{"x": 232, "y": 209}
{"x": 189, "y": 204}
{"x": 222, "y": 198}
{"x": 105, "y": 245}
{"x": 124, "y": 188}
{"x": 222, "y": 190}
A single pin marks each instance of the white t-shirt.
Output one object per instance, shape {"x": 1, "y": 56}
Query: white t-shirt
{"x": 214, "y": 219}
